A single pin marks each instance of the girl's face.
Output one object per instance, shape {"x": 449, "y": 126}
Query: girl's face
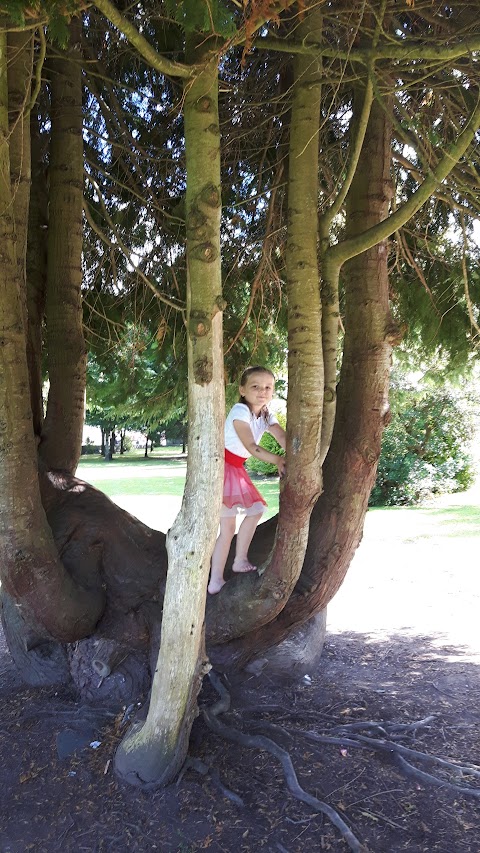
{"x": 258, "y": 390}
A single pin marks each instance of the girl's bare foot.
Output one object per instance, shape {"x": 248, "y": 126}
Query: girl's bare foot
{"x": 242, "y": 564}
{"x": 215, "y": 586}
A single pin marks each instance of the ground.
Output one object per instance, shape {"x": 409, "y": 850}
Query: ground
{"x": 402, "y": 648}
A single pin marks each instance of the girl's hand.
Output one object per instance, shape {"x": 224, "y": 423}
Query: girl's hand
{"x": 281, "y": 465}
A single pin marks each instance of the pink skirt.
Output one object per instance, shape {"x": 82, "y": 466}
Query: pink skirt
{"x": 238, "y": 489}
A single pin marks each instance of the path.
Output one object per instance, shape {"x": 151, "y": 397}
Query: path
{"x": 408, "y": 579}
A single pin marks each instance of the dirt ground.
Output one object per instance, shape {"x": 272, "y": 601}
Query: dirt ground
{"x": 400, "y": 670}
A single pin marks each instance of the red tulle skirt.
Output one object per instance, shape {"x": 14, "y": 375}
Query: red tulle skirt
{"x": 238, "y": 489}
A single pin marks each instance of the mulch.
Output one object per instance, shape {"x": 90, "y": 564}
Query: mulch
{"x": 59, "y": 792}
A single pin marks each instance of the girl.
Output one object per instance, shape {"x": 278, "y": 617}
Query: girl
{"x": 245, "y": 425}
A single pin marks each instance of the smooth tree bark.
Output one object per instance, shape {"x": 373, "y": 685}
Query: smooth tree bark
{"x": 153, "y": 753}
{"x": 50, "y": 602}
{"x": 61, "y": 442}
{"x": 269, "y": 591}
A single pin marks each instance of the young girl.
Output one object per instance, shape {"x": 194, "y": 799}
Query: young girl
{"x": 245, "y": 425}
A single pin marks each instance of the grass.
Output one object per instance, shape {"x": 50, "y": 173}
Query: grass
{"x": 136, "y": 458}
{"x": 421, "y": 523}
{"x": 162, "y": 475}
{"x": 465, "y": 519}
{"x": 131, "y": 475}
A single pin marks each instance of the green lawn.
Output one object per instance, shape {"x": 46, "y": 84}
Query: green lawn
{"x": 421, "y": 523}
{"x": 161, "y": 474}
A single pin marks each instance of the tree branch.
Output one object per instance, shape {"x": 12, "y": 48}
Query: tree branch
{"x": 144, "y": 48}
{"x": 474, "y": 325}
{"x": 38, "y": 70}
{"x": 123, "y": 248}
{"x": 356, "y": 245}
{"x": 396, "y": 52}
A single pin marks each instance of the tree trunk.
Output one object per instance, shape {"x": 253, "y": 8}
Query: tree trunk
{"x": 20, "y": 55}
{"x": 363, "y": 410}
{"x": 153, "y": 754}
{"x": 330, "y": 329}
{"x": 269, "y": 592}
{"x": 107, "y": 446}
{"x": 66, "y": 352}
{"x": 337, "y": 520}
{"x": 36, "y": 273}
{"x": 30, "y": 570}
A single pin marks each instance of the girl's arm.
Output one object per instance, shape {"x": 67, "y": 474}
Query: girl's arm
{"x": 279, "y": 434}
{"x": 246, "y": 437}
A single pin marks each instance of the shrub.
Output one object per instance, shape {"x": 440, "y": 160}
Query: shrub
{"x": 425, "y": 449}
{"x": 90, "y": 449}
{"x": 256, "y": 466}
{"x": 127, "y": 443}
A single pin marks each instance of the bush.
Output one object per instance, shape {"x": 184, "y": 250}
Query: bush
{"x": 256, "y": 466}
{"x": 425, "y": 448}
{"x": 127, "y": 444}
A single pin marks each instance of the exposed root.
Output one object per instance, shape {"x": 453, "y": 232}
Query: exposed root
{"x": 397, "y": 751}
{"x": 368, "y": 734}
{"x": 428, "y": 779}
{"x": 350, "y": 734}
{"x": 205, "y": 770}
{"x": 265, "y": 743}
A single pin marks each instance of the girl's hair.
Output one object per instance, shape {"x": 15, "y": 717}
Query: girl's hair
{"x": 257, "y": 368}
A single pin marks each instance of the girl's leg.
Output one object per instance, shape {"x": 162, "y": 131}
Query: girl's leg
{"x": 220, "y": 553}
{"x": 244, "y": 537}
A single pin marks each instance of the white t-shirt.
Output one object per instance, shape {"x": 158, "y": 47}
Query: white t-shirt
{"x": 241, "y": 412}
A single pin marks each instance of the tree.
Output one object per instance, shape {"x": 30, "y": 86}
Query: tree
{"x": 31, "y": 569}
{"x": 342, "y": 266}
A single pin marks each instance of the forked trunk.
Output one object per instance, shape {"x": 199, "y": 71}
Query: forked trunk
{"x": 268, "y": 593}
{"x": 337, "y": 520}
{"x": 30, "y": 569}
{"x": 154, "y": 753}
